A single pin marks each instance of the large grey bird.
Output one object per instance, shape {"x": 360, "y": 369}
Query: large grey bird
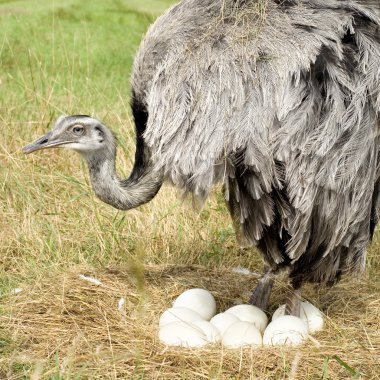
{"x": 277, "y": 99}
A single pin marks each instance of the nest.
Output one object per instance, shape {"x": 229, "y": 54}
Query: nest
{"x": 70, "y": 327}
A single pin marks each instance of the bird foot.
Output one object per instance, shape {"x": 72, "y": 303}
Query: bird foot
{"x": 261, "y": 294}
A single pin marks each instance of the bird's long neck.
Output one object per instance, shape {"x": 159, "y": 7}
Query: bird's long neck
{"x": 139, "y": 188}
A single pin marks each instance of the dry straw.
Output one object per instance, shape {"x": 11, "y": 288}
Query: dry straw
{"x": 68, "y": 326}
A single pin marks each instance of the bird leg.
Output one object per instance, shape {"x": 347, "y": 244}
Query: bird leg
{"x": 261, "y": 294}
{"x": 293, "y": 303}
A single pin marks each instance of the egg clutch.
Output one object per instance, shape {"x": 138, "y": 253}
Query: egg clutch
{"x": 192, "y": 322}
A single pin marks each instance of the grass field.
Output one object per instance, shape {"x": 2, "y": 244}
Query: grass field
{"x": 75, "y": 57}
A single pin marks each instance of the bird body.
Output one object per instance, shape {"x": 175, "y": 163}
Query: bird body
{"x": 278, "y": 100}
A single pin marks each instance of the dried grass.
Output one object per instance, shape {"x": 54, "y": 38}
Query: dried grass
{"x": 66, "y": 327}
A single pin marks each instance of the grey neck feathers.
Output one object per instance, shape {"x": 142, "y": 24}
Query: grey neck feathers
{"x": 139, "y": 188}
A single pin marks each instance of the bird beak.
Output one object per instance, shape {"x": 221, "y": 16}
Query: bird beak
{"x": 43, "y": 142}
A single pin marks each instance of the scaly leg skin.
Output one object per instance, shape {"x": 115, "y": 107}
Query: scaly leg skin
{"x": 261, "y": 294}
{"x": 293, "y": 303}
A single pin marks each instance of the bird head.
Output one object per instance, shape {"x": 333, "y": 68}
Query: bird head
{"x": 81, "y": 133}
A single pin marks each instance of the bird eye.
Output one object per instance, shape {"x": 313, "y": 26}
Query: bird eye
{"x": 78, "y": 129}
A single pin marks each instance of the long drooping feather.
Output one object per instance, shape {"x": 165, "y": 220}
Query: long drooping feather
{"x": 280, "y": 101}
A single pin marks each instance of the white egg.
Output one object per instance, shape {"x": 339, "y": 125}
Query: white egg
{"x": 223, "y": 321}
{"x": 250, "y": 313}
{"x": 310, "y": 314}
{"x": 182, "y": 334}
{"x": 285, "y": 330}
{"x": 199, "y": 300}
{"x": 241, "y": 334}
{"x": 211, "y": 332}
{"x": 178, "y": 314}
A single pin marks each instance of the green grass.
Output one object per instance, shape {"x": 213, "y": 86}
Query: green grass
{"x": 76, "y": 57}
{"x": 69, "y": 52}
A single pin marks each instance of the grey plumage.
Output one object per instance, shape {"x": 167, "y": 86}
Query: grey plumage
{"x": 277, "y": 99}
